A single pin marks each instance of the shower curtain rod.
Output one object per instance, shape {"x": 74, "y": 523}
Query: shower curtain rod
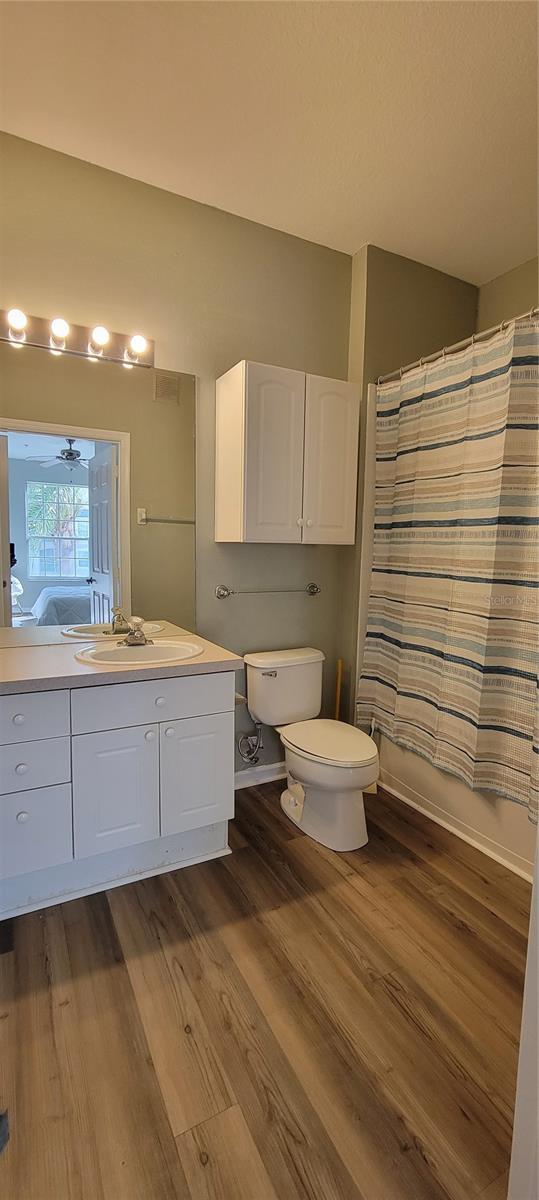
{"x": 469, "y": 341}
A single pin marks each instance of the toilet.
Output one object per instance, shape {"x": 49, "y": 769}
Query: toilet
{"x": 328, "y": 763}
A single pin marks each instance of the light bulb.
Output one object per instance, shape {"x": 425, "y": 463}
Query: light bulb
{"x": 17, "y": 320}
{"x": 59, "y": 332}
{"x": 59, "y": 329}
{"x": 100, "y": 336}
{"x": 138, "y": 344}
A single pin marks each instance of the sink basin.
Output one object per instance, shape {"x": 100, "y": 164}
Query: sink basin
{"x": 94, "y": 633}
{"x": 161, "y": 654}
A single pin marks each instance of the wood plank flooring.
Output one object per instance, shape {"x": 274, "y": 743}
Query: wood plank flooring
{"x": 285, "y": 1023}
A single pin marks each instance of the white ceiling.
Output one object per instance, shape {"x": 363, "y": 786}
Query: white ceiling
{"x": 43, "y": 445}
{"x": 409, "y": 125}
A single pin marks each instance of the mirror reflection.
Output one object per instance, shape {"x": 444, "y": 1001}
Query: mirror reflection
{"x": 97, "y": 495}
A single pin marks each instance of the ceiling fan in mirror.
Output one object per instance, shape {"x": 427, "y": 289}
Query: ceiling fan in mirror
{"x": 68, "y": 457}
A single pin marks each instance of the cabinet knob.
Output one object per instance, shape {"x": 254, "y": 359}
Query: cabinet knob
{"x": 149, "y": 735}
{"x": 22, "y": 817}
{"x": 160, "y": 701}
{"x": 309, "y": 524}
{"x": 169, "y": 732}
{"x": 18, "y": 719}
{"x": 300, "y": 521}
{"x": 21, "y": 769}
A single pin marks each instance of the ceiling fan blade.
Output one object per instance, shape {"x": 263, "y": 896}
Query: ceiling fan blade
{"x": 50, "y": 462}
{"x": 84, "y": 463}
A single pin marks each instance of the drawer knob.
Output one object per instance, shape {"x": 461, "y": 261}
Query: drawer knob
{"x": 18, "y": 719}
{"x": 149, "y": 735}
{"x": 21, "y": 769}
{"x": 160, "y": 701}
{"x": 22, "y": 817}
{"x": 169, "y": 732}
{"x": 309, "y": 524}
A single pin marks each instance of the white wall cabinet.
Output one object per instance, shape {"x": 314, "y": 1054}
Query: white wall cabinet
{"x": 197, "y": 772}
{"x": 286, "y": 456}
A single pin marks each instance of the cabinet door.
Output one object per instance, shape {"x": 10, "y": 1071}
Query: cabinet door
{"x": 115, "y": 789}
{"x": 331, "y": 450}
{"x": 35, "y": 830}
{"x": 197, "y": 772}
{"x": 275, "y": 413}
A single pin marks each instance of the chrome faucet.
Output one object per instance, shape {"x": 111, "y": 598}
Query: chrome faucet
{"x": 136, "y": 635}
{"x": 120, "y": 623}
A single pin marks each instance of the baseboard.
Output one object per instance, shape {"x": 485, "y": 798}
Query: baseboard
{"x": 513, "y": 862}
{"x": 265, "y": 773}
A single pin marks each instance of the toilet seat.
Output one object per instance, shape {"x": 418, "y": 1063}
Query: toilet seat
{"x": 331, "y": 742}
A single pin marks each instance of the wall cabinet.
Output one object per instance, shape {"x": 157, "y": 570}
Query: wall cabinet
{"x": 286, "y": 456}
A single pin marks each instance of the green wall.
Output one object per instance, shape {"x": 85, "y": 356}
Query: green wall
{"x": 508, "y": 295}
{"x": 211, "y": 288}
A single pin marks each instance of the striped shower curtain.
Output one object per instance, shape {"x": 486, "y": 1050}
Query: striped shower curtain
{"x": 451, "y": 660}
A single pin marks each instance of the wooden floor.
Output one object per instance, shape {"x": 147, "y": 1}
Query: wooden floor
{"x": 281, "y": 1024}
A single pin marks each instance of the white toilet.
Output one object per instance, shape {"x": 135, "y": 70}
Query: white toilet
{"x": 328, "y": 763}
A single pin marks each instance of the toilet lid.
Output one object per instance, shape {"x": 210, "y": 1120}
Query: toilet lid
{"x": 330, "y": 741}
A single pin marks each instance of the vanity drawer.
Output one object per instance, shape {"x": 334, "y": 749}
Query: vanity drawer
{"x": 34, "y": 765}
{"x": 33, "y": 715}
{"x": 35, "y": 830}
{"x": 119, "y": 705}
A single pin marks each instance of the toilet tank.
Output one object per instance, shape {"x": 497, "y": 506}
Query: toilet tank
{"x": 284, "y": 685}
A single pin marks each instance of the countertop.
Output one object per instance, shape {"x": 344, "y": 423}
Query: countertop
{"x": 38, "y": 667}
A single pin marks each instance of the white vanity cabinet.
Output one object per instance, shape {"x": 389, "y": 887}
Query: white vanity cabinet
{"x": 286, "y": 456}
{"x": 131, "y": 779}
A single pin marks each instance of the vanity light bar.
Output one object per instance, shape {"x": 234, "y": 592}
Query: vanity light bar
{"x": 91, "y": 342}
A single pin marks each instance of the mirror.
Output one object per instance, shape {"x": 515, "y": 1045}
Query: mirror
{"x": 67, "y": 518}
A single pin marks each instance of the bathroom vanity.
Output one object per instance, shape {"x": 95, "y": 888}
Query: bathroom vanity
{"x": 110, "y": 773}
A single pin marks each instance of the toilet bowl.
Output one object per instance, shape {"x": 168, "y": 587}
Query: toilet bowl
{"x": 328, "y": 763}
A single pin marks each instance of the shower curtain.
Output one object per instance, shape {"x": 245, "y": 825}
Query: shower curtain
{"x": 451, "y": 660}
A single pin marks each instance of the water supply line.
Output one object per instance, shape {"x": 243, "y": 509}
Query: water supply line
{"x": 249, "y": 744}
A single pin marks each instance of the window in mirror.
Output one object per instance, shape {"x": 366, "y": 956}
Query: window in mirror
{"x": 57, "y": 530}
